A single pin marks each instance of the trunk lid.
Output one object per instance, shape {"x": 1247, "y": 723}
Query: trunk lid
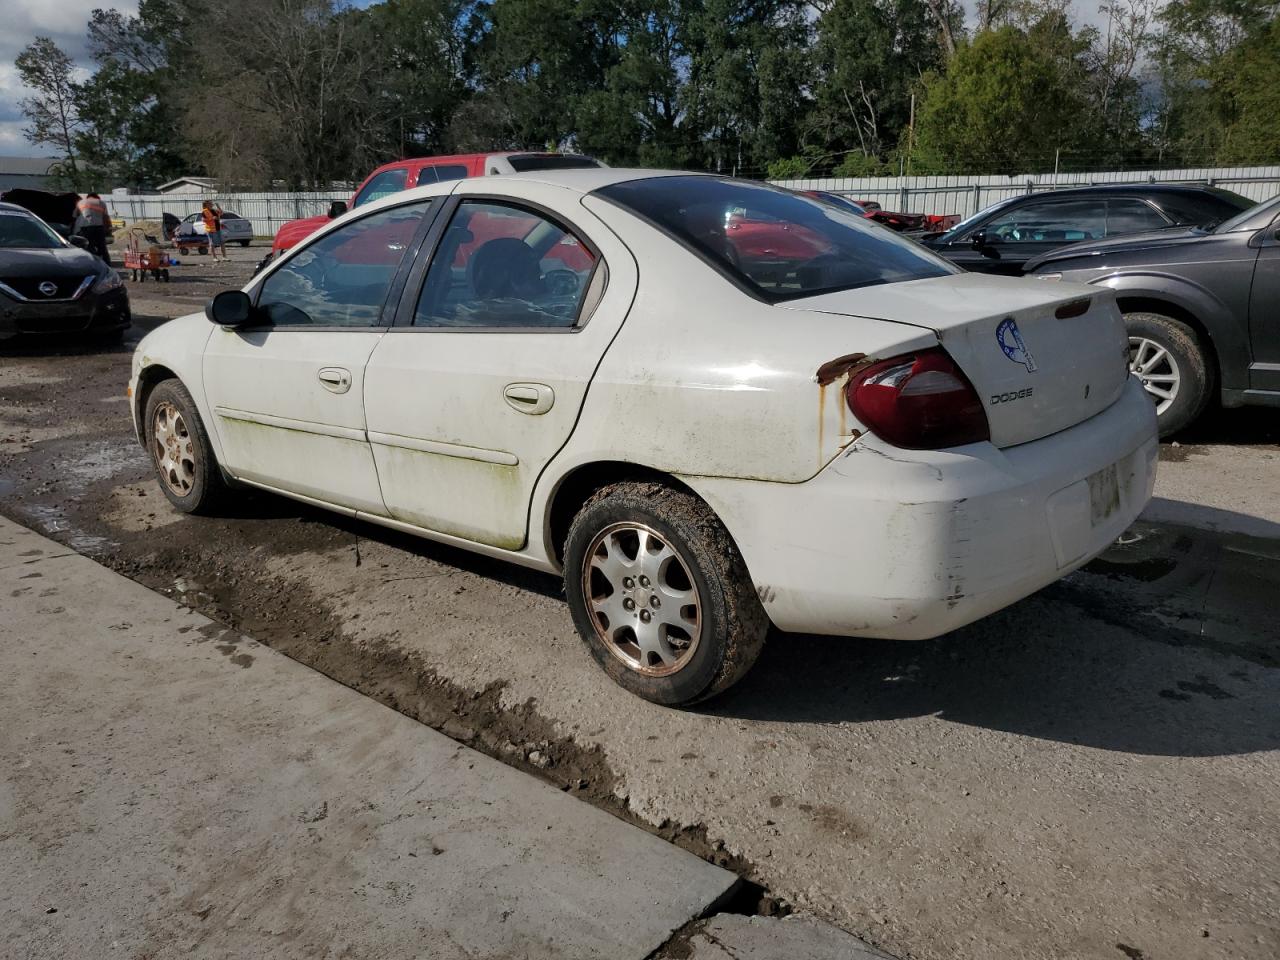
{"x": 1043, "y": 355}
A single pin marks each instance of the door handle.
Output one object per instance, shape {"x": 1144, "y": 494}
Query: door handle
{"x": 334, "y": 379}
{"x": 531, "y": 398}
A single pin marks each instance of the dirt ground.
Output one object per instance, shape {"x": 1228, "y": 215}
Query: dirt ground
{"x": 1094, "y": 772}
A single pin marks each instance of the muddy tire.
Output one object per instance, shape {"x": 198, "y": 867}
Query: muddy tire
{"x": 180, "y": 450}
{"x": 660, "y": 594}
{"x": 1167, "y": 356}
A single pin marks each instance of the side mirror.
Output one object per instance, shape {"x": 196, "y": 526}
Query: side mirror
{"x": 337, "y": 209}
{"x": 78, "y": 241}
{"x": 979, "y": 240}
{"x": 230, "y": 308}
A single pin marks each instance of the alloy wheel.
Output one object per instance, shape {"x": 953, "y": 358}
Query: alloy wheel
{"x": 1156, "y": 368}
{"x": 642, "y": 599}
{"x": 173, "y": 449}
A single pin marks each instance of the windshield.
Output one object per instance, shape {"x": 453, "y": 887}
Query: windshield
{"x": 23, "y": 231}
{"x": 777, "y": 244}
{"x": 1241, "y": 221}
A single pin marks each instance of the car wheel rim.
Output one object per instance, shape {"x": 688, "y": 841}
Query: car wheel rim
{"x": 642, "y": 600}
{"x": 1152, "y": 363}
{"x": 173, "y": 450}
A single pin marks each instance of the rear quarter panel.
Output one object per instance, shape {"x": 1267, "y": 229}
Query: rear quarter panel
{"x": 704, "y": 380}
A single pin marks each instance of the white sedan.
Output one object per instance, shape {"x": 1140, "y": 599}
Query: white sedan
{"x": 710, "y": 404}
{"x": 191, "y": 232}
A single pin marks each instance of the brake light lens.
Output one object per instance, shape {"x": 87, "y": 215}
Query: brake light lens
{"x": 920, "y": 401}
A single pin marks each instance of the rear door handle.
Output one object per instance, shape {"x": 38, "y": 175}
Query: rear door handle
{"x": 335, "y": 379}
{"x": 531, "y": 398}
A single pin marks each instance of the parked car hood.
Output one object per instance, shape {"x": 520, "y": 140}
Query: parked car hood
{"x": 1129, "y": 243}
{"x": 295, "y": 231}
{"x": 48, "y": 264}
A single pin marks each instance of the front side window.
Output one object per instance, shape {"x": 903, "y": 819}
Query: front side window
{"x": 1132, "y": 216}
{"x": 778, "y": 244}
{"x": 1050, "y": 221}
{"x": 342, "y": 279}
{"x": 382, "y": 185}
{"x": 21, "y": 231}
{"x": 500, "y": 265}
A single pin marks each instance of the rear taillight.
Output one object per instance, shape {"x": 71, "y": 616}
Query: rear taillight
{"x": 920, "y": 401}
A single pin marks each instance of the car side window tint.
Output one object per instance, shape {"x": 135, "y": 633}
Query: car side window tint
{"x": 1049, "y": 221}
{"x": 342, "y": 279}
{"x": 1132, "y": 216}
{"x": 500, "y": 265}
{"x": 383, "y": 185}
{"x": 426, "y": 176}
{"x": 451, "y": 171}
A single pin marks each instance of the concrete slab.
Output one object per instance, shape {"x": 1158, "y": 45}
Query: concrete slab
{"x": 734, "y": 937}
{"x": 169, "y": 788}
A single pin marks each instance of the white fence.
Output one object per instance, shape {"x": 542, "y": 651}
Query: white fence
{"x": 963, "y": 195}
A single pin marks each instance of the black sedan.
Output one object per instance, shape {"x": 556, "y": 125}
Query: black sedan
{"x": 1003, "y": 237}
{"x": 1202, "y": 308}
{"x": 50, "y": 285}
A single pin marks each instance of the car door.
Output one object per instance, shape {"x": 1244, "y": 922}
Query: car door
{"x": 1264, "y": 310}
{"x": 287, "y": 391}
{"x": 480, "y": 382}
{"x": 1018, "y": 233}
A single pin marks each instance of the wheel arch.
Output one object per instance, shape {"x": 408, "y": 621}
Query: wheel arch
{"x": 149, "y": 377}
{"x": 577, "y": 486}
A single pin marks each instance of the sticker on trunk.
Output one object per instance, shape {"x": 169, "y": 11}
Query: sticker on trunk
{"x": 1010, "y": 339}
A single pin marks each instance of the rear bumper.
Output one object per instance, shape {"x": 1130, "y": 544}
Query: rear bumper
{"x": 102, "y": 313}
{"x": 909, "y": 545}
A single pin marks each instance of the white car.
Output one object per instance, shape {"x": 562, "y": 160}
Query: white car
{"x": 710, "y": 404}
{"x": 190, "y": 234}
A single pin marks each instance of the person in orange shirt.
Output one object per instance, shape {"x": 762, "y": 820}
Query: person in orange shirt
{"x": 211, "y": 213}
{"x": 92, "y": 220}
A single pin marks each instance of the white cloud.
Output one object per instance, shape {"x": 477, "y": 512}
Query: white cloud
{"x": 64, "y": 22}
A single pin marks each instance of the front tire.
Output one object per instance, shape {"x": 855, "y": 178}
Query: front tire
{"x": 660, "y": 594}
{"x": 1167, "y": 357}
{"x": 180, "y": 450}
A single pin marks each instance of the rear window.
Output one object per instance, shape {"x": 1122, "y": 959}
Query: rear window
{"x": 777, "y": 244}
{"x": 549, "y": 161}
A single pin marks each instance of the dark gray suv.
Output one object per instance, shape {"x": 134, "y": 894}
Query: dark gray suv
{"x": 1202, "y": 307}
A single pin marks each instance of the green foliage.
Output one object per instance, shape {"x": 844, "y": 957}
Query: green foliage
{"x": 308, "y": 92}
{"x": 1006, "y": 101}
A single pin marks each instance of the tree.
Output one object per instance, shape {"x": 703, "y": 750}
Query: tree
{"x": 1005, "y": 102}
{"x": 52, "y": 110}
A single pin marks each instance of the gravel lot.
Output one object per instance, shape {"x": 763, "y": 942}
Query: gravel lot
{"x": 1092, "y": 773}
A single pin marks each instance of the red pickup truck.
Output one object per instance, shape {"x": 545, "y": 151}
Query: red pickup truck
{"x": 419, "y": 172}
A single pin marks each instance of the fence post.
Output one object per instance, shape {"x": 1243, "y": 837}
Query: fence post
{"x": 977, "y": 197}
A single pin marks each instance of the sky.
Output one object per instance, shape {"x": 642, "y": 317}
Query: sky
{"x": 64, "y": 21}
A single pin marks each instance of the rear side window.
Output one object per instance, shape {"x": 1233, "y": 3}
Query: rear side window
{"x": 441, "y": 173}
{"x": 777, "y": 244}
{"x": 549, "y": 161}
{"x": 1132, "y": 216}
{"x": 382, "y": 185}
{"x": 501, "y": 265}
{"x": 1201, "y": 209}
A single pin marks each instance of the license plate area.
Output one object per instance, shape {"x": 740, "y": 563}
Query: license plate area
{"x": 1104, "y": 494}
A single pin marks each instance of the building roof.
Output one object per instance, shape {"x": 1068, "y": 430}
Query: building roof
{"x": 28, "y": 166}
{"x": 198, "y": 181}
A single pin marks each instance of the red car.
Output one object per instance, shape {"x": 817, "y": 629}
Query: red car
{"x": 931, "y": 222}
{"x": 420, "y": 171}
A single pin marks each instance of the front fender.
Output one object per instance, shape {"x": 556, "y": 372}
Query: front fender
{"x": 176, "y": 348}
{"x": 1229, "y": 340}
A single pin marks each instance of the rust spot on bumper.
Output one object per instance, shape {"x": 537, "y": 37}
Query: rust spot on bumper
{"x": 833, "y": 370}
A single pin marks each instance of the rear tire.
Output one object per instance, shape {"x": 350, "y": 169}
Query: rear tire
{"x": 660, "y": 594}
{"x": 180, "y": 450}
{"x": 1167, "y": 356}
{"x": 243, "y": 243}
